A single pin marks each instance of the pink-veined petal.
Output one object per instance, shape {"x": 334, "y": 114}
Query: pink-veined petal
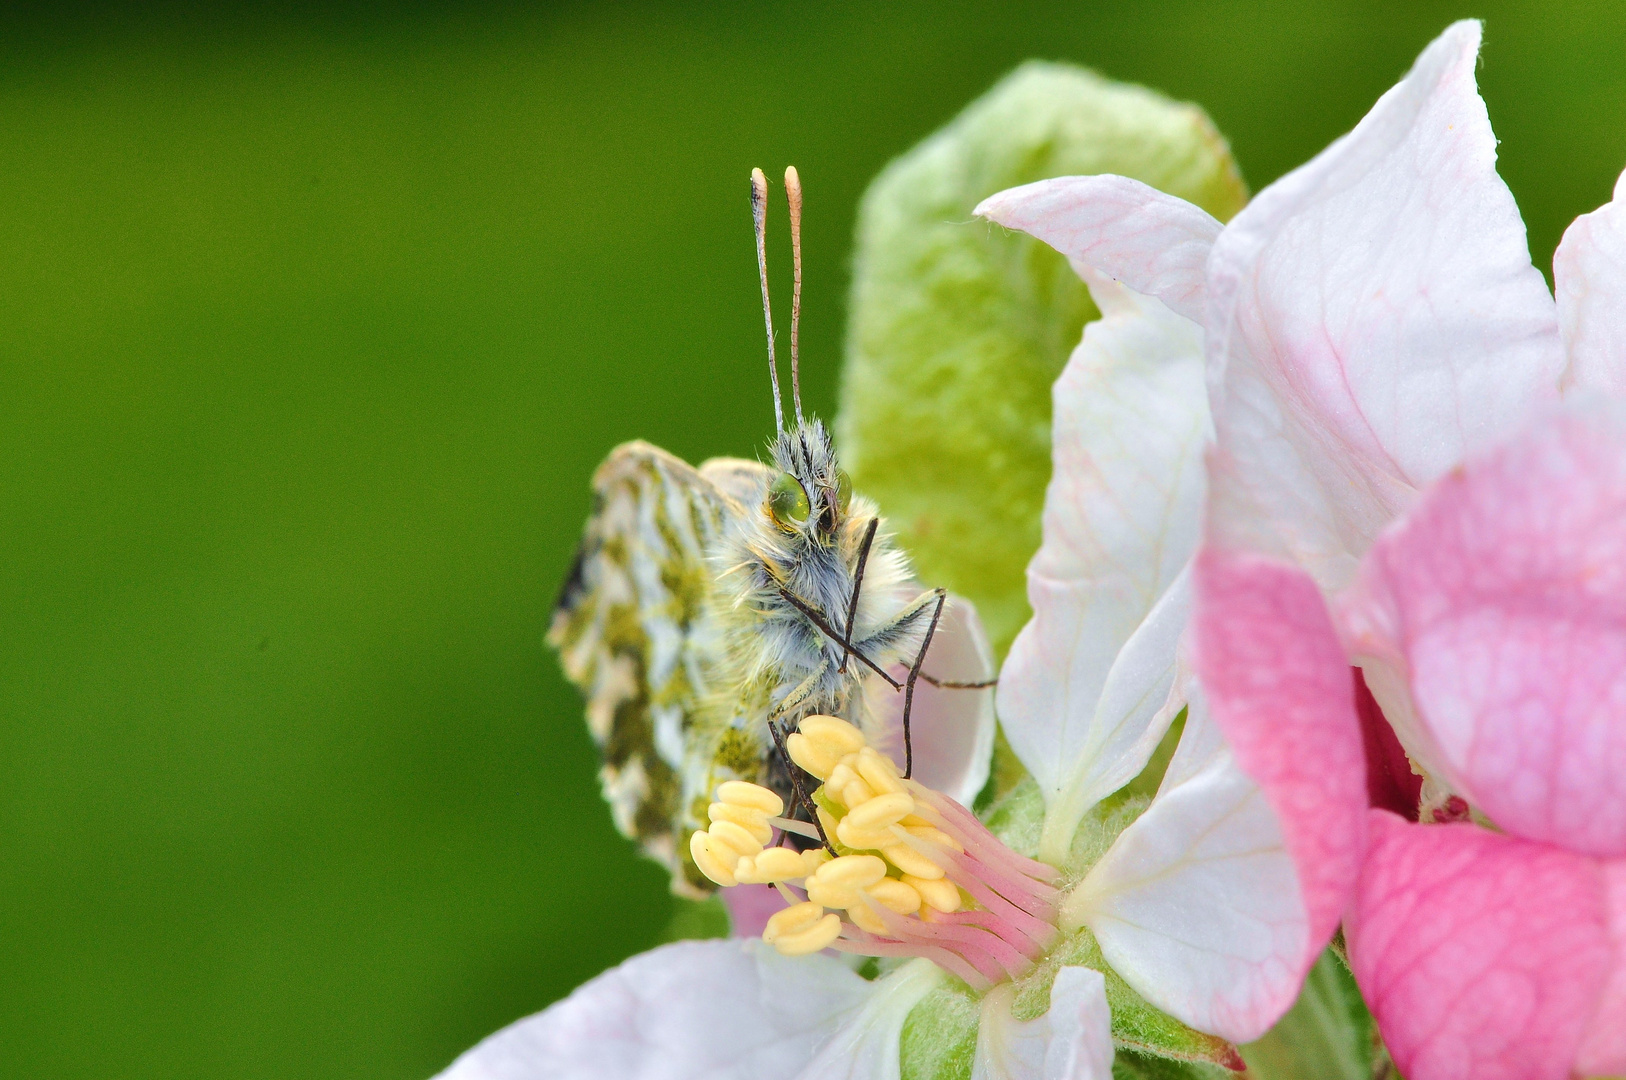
{"x": 1071, "y": 1041}
{"x": 1603, "y": 1046}
{"x": 1081, "y": 692}
{"x": 693, "y": 1009}
{"x": 1481, "y": 956}
{"x": 1197, "y": 904}
{"x": 1372, "y": 317}
{"x": 952, "y": 730}
{"x": 1154, "y": 243}
{"x": 1589, "y": 279}
{"x": 1281, "y": 691}
{"x": 1501, "y": 598}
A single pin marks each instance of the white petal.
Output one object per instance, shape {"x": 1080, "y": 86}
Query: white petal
{"x": 1198, "y": 907}
{"x": 713, "y": 1009}
{"x": 1078, "y": 701}
{"x": 1201, "y": 743}
{"x": 1589, "y": 276}
{"x": 1372, "y": 317}
{"x": 866, "y": 1046}
{"x": 1072, "y": 1041}
{"x": 952, "y": 730}
{"x": 1154, "y": 243}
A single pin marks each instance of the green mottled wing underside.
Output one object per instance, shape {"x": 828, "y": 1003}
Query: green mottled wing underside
{"x": 635, "y": 631}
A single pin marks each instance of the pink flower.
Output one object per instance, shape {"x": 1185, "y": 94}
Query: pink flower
{"x": 1499, "y": 601}
{"x": 1371, "y": 322}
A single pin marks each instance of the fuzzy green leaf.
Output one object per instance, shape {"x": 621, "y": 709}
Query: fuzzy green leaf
{"x": 959, "y": 328}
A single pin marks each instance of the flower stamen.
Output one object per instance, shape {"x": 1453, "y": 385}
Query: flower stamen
{"x": 915, "y": 873}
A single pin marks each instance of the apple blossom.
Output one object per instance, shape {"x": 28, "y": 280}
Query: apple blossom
{"x": 1186, "y": 901}
{"x": 1499, "y": 601}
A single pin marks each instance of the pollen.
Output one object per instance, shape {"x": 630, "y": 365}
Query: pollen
{"x": 913, "y": 872}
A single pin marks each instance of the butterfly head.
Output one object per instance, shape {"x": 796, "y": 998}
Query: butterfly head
{"x": 811, "y": 494}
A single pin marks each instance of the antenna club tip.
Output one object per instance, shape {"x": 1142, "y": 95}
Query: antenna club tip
{"x": 792, "y": 177}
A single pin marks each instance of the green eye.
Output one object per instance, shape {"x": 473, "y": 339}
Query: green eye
{"x": 844, "y": 489}
{"x": 787, "y": 502}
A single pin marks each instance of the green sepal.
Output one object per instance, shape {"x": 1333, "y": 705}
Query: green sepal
{"x": 1328, "y": 1034}
{"x": 1130, "y": 1065}
{"x": 958, "y": 328}
{"x": 940, "y": 1036}
{"x": 1137, "y": 1025}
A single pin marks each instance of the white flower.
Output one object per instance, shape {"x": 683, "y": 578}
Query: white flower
{"x": 1194, "y": 904}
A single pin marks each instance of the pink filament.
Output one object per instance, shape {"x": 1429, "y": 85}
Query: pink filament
{"x": 1000, "y": 940}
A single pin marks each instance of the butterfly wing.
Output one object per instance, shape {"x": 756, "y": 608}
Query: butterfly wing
{"x": 636, "y": 632}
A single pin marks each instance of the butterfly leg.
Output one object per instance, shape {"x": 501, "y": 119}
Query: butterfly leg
{"x": 899, "y": 629}
{"x": 800, "y": 692}
{"x": 858, "y": 583}
{"x": 909, "y": 687}
{"x": 950, "y": 684}
{"x": 802, "y": 799}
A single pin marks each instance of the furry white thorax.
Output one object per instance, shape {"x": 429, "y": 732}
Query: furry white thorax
{"x": 772, "y": 646}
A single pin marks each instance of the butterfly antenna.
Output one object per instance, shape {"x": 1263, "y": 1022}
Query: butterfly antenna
{"x": 793, "y": 192}
{"x": 759, "y": 215}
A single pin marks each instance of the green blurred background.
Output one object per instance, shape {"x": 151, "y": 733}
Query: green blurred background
{"x": 313, "y": 324}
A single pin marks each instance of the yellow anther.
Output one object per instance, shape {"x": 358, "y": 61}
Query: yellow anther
{"x": 812, "y": 859}
{"x": 912, "y": 862}
{"x": 881, "y": 811}
{"x": 812, "y": 757}
{"x": 816, "y": 937}
{"x": 913, "y": 821}
{"x": 827, "y": 819}
{"x": 774, "y": 864}
{"x": 751, "y": 820}
{"x": 735, "y": 836}
{"x": 832, "y": 732}
{"x": 840, "y": 776}
{"x": 940, "y": 895}
{"x": 852, "y": 871}
{"x": 856, "y": 793}
{"x": 878, "y": 771}
{"x": 753, "y": 796}
{"x": 863, "y": 839}
{"x": 934, "y": 835}
{"x": 866, "y": 918}
{"x": 715, "y": 865}
{"x": 792, "y": 920}
{"x": 896, "y": 895}
{"x": 821, "y": 742}
{"x": 833, "y": 896}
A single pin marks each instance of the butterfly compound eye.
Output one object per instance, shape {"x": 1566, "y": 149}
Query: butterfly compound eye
{"x": 787, "y": 502}
{"x": 844, "y": 489}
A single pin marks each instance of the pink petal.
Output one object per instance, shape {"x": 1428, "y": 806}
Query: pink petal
{"x": 1603, "y": 1047}
{"x": 1482, "y": 956}
{"x": 1589, "y": 278}
{"x": 1279, "y": 688}
{"x": 1502, "y": 599}
{"x": 1372, "y": 317}
{"x": 1154, "y": 243}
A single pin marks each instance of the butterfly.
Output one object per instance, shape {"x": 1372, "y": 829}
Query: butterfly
{"x": 710, "y": 609}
